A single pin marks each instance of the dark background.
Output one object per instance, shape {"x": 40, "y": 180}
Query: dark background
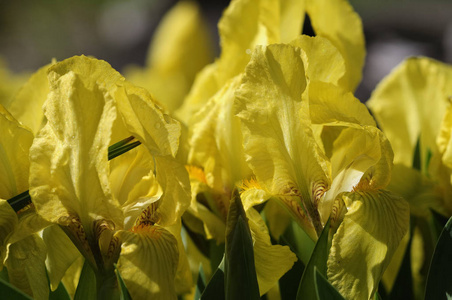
{"x": 32, "y": 32}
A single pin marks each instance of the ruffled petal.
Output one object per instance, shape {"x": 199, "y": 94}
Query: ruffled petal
{"x": 146, "y": 121}
{"x": 365, "y": 241}
{"x": 410, "y": 104}
{"x": 266, "y": 22}
{"x": 148, "y": 262}
{"x": 216, "y": 141}
{"x": 278, "y": 141}
{"x": 68, "y": 159}
{"x": 332, "y": 105}
{"x": 322, "y": 60}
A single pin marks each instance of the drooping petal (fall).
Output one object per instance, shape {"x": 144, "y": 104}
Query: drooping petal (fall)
{"x": 337, "y": 21}
{"x": 148, "y": 262}
{"x": 364, "y": 243}
{"x": 68, "y": 159}
{"x": 25, "y": 261}
{"x": 272, "y": 261}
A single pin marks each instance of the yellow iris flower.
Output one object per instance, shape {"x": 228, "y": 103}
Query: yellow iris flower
{"x": 412, "y": 107}
{"x": 315, "y": 149}
{"x": 127, "y": 211}
{"x": 269, "y": 22}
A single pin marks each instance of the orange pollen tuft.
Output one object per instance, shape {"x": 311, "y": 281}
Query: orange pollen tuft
{"x": 196, "y": 173}
{"x": 248, "y": 184}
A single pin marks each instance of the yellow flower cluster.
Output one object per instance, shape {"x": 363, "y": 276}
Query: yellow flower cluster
{"x": 273, "y": 117}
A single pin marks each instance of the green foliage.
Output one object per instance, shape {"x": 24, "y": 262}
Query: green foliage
{"x": 8, "y": 291}
{"x": 439, "y": 276}
{"x": 240, "y": 272}
{"x": 86, "y": 288}
{"x": 324, "y": 290}
{"x": 124, "y": 293}
{"x": 317, "y": 261}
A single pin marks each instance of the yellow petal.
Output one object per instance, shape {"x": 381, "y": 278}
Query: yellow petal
{"x": 8, "y": 224}
{"x": 15, "y": 142}
{"x": 61, "y": 254}
{"x": 26, "y": 105}
{"x": 278, "y": 140}
{"x": 26, "y": 268}
{"x": 169, "y": 74}
{"x": 421, "y": 192}
{"x": 410, "y": 103}
{"x": 173, "y": 178}
{"x": 146, "y": 121}
{"x": 355, "y": 151}
{"x": 133, "y": 183}
{"x": 68, "y": 160}
{"x": 266, "y": 22}
{"x": 148, "y": 263}
{"x": 272, "y": 261}
{"x": 29, "y": 222}
{"x": 337, "y": 21}
{"x": 330, "y": 104}
{"x": 216, "y": 141}
{"x": 72, "y": 276}
{"x": 365, "y": 241}
{"x": 322, "y": 60}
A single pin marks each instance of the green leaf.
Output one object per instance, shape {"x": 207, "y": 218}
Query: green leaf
{"x": 60, "y": 293}
{"x": 438, "y": 222}
{"x": 215, "y": 288}
{"x": 318, "y": 259}
{"x": 323, "y": 288}
{"x": 86, "y": 289}
{"x": 8, "y": 291}
{"x": 124, "y": 293}
{"x": 439, "y": 276}
{"x": 200, "y": 283}
{"x": 403, "y": 285}
{"x": 288, "y": 284}
{"x": 240, "y": 271}
{"x": 300, "y": 243}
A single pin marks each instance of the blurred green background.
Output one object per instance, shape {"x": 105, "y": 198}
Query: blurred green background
{"x": 32, "y": 32}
